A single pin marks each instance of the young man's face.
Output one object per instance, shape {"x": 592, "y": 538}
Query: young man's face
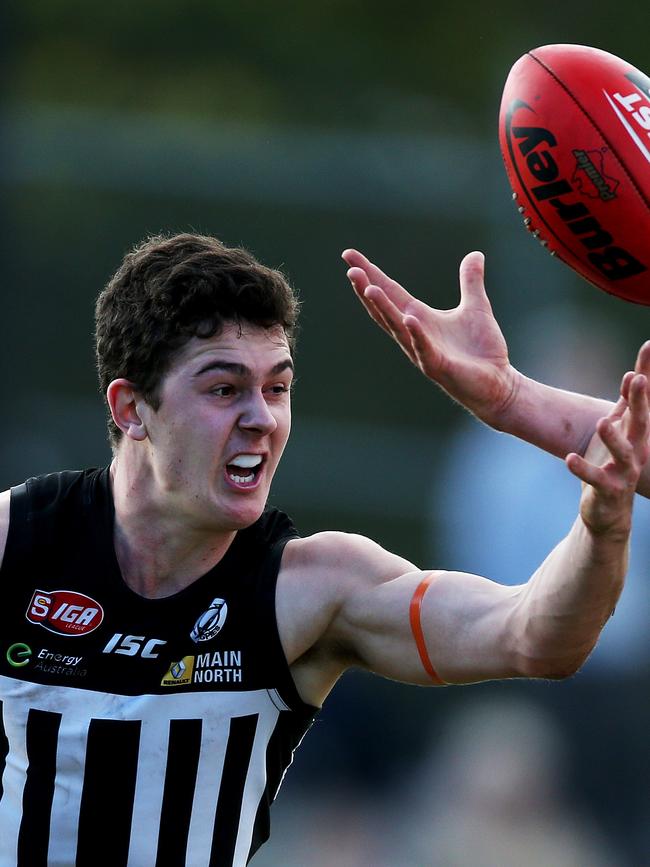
{"x": 221, "y": 428}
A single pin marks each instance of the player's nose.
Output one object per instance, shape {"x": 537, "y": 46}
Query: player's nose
{"x": 257, "y": 415}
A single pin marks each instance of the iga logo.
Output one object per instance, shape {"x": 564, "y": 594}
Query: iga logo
{"x": 65, "y": 612}
{"x": 211, "y": 622}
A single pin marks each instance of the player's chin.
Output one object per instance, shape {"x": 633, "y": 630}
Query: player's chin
{"x": 243, "y": 510}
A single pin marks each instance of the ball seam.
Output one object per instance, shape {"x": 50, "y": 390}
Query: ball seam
{"x": 614, "y": 151}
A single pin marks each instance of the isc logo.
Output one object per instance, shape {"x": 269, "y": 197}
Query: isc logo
{"x": 65, "y": 612}
{"x": 133, "y": 645}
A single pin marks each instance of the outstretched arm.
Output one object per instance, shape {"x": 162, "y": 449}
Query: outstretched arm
{"x": 463, "y": 350}
{"x": 475, "y": 629}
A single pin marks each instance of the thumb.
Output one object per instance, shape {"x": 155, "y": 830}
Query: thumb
{"x": 471, "y": 276}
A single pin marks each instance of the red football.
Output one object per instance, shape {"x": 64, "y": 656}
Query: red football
{"x": 574, "y": 131}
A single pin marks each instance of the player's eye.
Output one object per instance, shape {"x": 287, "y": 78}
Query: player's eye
{"x": 223, "y": 390}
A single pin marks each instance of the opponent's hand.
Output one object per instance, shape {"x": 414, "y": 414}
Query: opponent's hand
{"x": 615, "y": 459}
{"x": 463, "y": 350}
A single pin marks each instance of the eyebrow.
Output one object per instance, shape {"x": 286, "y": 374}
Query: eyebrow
{"x": 241, "y": 369}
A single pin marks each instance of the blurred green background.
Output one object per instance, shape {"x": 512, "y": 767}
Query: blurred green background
{"x": 297, "y": 131}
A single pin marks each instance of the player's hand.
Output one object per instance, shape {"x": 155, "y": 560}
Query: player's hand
{"x": 615, "y": 459}
{"x": 463, "y": 350}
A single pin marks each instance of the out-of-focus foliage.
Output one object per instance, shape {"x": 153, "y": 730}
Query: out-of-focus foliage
{"x": 416, "y": 66}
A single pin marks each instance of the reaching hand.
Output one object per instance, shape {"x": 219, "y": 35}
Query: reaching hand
{"x": 463, "y": 350}
{"x": 613, "y": 463}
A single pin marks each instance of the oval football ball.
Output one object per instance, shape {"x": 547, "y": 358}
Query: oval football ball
{"x": 574, "y": 131}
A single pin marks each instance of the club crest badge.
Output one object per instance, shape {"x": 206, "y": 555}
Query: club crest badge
{"x": 211, "y": 622}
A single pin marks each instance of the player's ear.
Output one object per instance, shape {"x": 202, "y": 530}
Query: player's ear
{"x": 123, "y": 404}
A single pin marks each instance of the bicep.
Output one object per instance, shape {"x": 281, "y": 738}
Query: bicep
{"x": 468, "y": 625}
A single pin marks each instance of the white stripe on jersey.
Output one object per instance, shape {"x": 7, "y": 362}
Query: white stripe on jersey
{"x": 149, "y": 785}
{"x": 78, "y": 708}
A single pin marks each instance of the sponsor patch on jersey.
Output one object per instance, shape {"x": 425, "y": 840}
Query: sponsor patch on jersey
{"x": 45, "y": 660}
{"x": 179, "y": 673}
{"x": 218, "y": 667}
{"x": 211, "y": 622}
{"x": 18, "y": 654}
{"x": 134, "y": 645}
{"x": 64, "y": 612}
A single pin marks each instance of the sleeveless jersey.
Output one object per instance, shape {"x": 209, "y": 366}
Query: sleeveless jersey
{"x": 139, "y": 732}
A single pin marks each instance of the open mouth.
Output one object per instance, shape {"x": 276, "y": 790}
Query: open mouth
{"x": 244, "y": 469}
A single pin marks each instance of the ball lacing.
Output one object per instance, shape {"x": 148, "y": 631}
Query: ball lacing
{"x": 527, "y": 222}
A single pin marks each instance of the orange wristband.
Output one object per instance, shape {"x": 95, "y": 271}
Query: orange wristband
{"x": 416, "y": 627}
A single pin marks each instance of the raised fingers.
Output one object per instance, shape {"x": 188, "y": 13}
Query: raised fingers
{"x": 360, "y": 282}
{"x": 619, "y": 470}
{"x": 374, "y": 275}
{"x": 390, "y": 317}
{"x": 626, "y": 440}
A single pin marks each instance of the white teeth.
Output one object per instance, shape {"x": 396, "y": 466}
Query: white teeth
{"x": 242, "y": 480}
{"x": 246, "y": 461}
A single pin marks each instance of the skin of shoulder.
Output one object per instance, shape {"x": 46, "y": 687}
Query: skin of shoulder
{"x": 5, "y": 501}
{"x": 319, "y": 574}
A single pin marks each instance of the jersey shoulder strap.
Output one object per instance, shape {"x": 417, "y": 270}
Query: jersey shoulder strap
{"x": 44, "y": 510}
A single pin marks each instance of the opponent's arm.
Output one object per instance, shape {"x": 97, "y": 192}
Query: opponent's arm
{"x": 463, "y": 350}
{"x": 475, "y": 629}
{"x": 5, "y": 499}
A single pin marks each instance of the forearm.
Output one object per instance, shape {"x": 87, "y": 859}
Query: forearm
{"x": 555, "y": 420}
{"x": 566, "y": 603}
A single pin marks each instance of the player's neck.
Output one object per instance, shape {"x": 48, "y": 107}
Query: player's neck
{"x": 159, "y": 551}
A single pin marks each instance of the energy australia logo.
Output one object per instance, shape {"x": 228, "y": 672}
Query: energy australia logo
{"x": 211, "y": 622}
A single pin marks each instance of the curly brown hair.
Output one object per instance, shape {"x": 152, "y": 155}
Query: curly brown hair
{"x": 169, "y": 289}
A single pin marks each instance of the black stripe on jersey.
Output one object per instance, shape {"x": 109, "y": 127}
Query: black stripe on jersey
{"x": 231, "y": 792}
{"x": 108, "y": 792}
{"x": 4, "y": 750}
{"x": 42, "y": 733}
{"x": 180, "y": 780}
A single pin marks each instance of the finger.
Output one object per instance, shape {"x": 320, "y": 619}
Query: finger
{"x": 637, "y": 422}
{"x": 382, "y": 311}
{"x": 625, "y": 385}
{"x": 643, "y": 359}
{"x": 427, "y": 355}
{"x": 586, "y": 472}
{"x": 618, "y": 410}
{"x": 471, "y": 276}
{"x": 373, "y": 311}
{"x": 359, "y": 280}
{"x": 618, "y": 445}
{"x": 376, "y": 276}
{"x": 392, "y": 316}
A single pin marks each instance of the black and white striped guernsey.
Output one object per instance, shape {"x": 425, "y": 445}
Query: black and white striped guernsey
{"x": 139, "y": 732}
